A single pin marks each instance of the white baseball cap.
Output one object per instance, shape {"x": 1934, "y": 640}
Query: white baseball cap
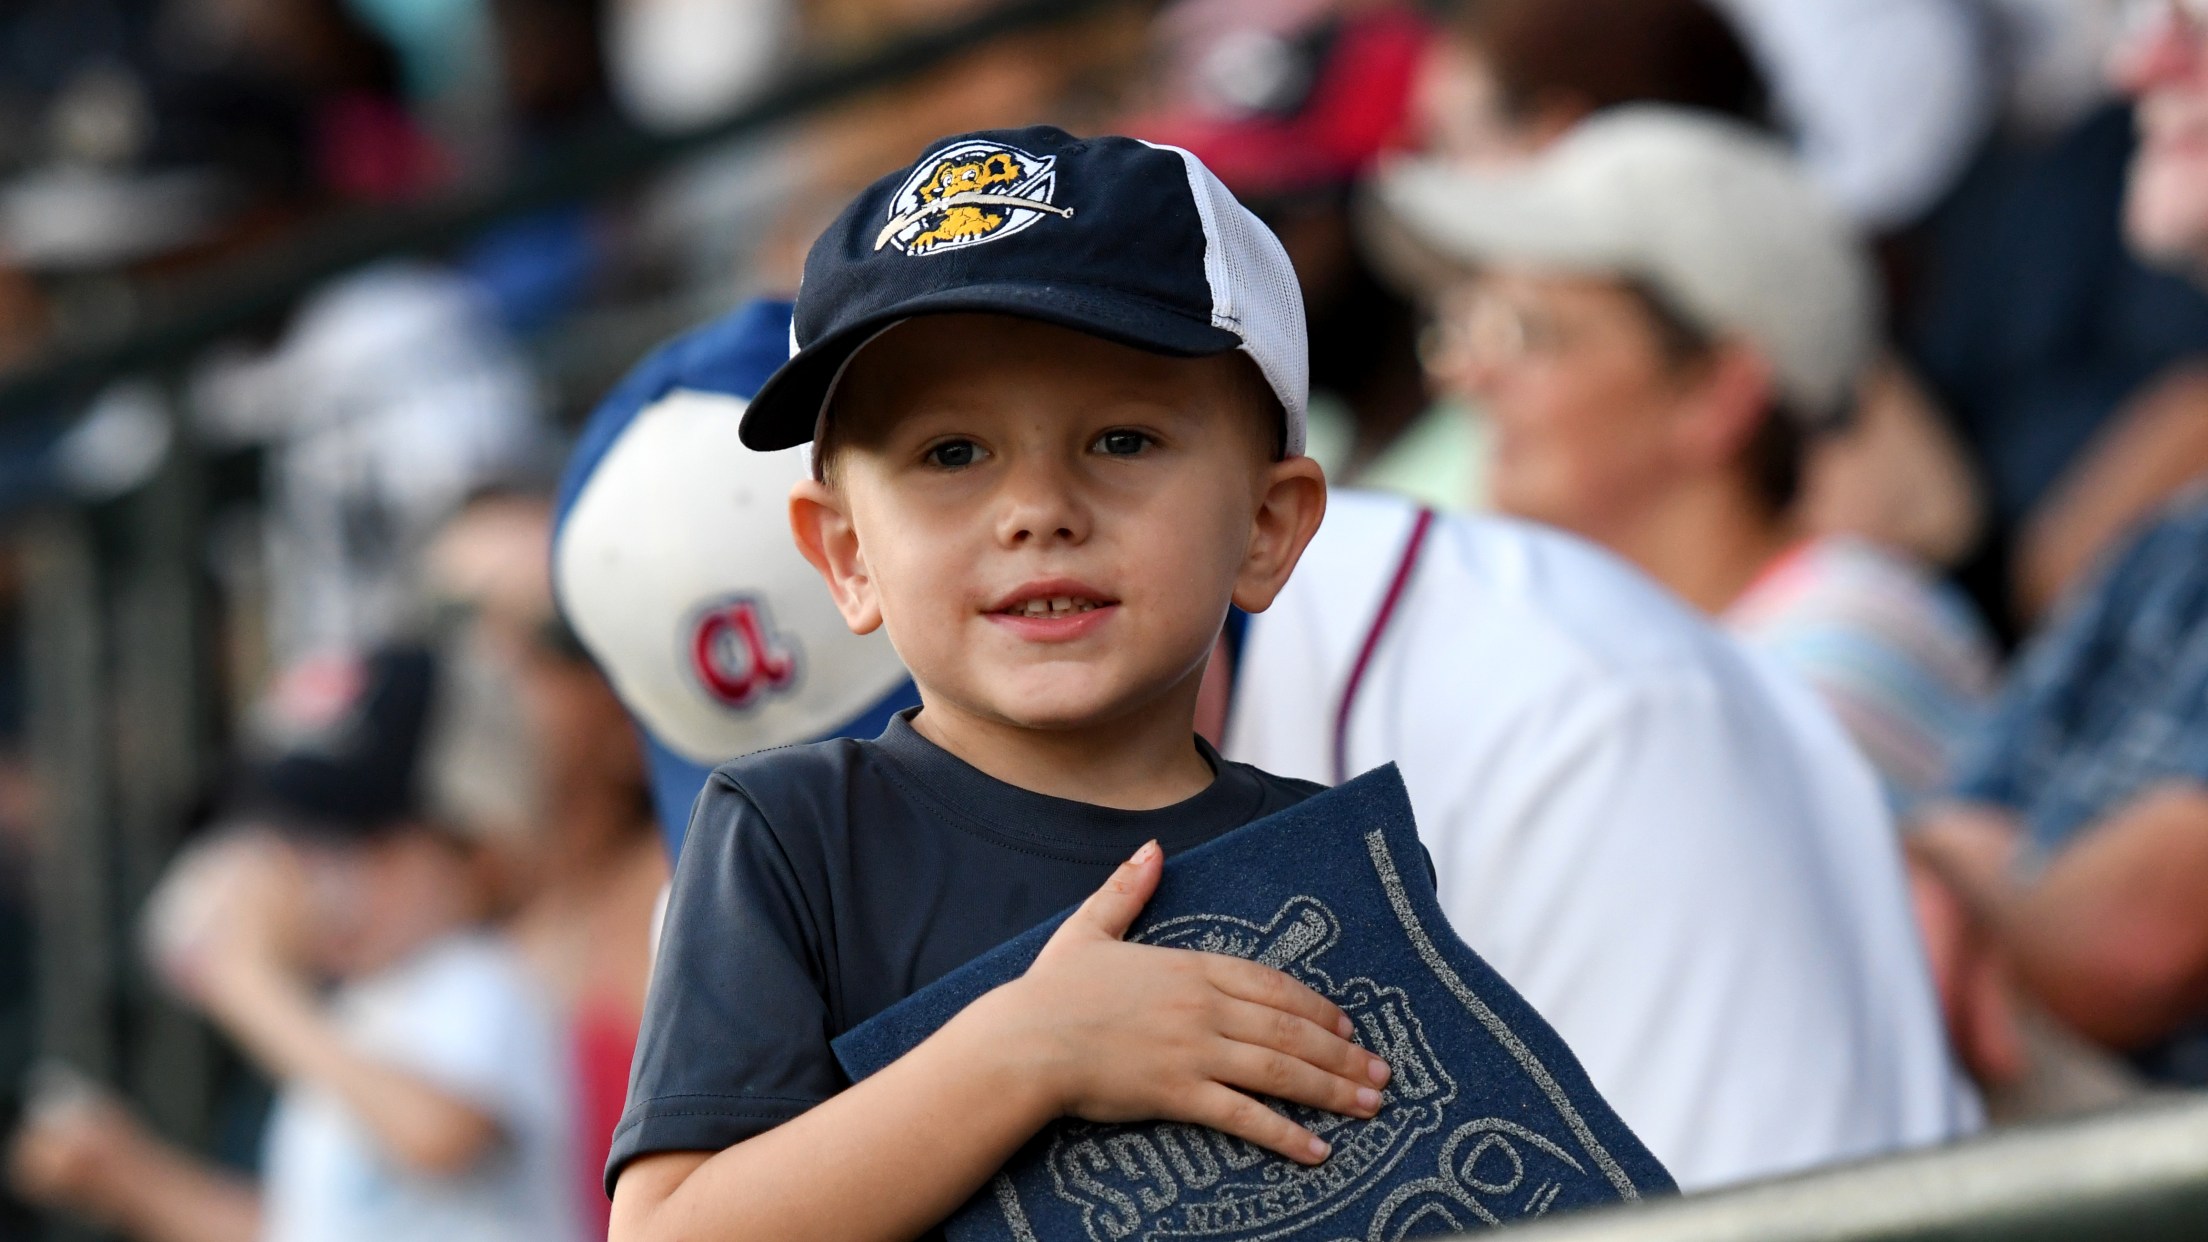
{"x": 1716, "y": 217}
{"x": 674, "y": 565}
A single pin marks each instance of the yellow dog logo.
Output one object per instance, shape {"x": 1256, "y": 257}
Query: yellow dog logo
{"x": 968, "y": 194}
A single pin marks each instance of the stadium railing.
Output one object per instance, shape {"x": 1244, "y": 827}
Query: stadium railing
{"x": 2138, "y": 1175}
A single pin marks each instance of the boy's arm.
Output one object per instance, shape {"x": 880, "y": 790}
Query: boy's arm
{"x": 888, "y": 1159}
{"x": 1097, "y": 1028}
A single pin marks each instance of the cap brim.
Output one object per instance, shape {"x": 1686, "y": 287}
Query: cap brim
{"x": 787, "y": 409}
{"x": 1430, "y": 224}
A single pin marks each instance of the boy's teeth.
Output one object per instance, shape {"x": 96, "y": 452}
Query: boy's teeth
{"x": 1057, "y": 606}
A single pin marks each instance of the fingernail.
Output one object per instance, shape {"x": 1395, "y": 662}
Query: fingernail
{"x": 1380, "y": 1072}
{"x": 1319, "y": 1149}
{"x": 1368, "y": 1099}
{"x": 1143, "y": 855}
{"x": 1343, "y": 1027}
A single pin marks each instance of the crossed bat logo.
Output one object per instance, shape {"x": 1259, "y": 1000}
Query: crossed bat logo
{"x": 970, "y": 193}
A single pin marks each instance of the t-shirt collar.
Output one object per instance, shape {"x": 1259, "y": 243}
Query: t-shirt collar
{"x": 1232, "y": 799}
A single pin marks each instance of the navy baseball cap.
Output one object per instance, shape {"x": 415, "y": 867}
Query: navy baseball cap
{"x": 1122, "y": 239}
{"x": 341, "y": 738}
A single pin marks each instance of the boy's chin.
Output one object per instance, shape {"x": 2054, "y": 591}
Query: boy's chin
{"x": 1050, "y": 705}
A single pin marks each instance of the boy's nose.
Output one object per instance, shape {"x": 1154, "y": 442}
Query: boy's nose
{"x": 1041, "y": 502}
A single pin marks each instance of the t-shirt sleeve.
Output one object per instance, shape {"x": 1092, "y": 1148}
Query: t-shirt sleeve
{"x": 736, "y": 1028}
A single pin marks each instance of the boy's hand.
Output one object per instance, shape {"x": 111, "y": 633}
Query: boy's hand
{"x": 1128, "y": 1032}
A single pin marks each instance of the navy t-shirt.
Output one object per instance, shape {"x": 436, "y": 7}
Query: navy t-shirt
{"x": 821, "y": 884}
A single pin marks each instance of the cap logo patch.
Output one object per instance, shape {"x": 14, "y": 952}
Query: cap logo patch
{"x": 315, "y": 706}
{"x": 970, "y": 193}
{"x": 737, "y": 656}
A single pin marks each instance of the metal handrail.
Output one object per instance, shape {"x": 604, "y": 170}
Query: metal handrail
{"x": 2139, "y": 1175}
{"x": 252, "y": 289}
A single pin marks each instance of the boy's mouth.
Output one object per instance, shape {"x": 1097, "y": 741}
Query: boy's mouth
{"x": 1059, "y": 600}
{"x": 1056, "y": 606}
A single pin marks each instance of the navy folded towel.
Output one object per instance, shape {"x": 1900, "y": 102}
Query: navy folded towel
{"x": 1488, "y": 1117}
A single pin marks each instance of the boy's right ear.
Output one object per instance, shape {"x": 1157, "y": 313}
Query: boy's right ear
{"x": 825, "y": 536}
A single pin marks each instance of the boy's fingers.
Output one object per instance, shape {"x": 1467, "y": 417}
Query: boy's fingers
{"x": 1283, "y": 1077}
{"x": 1229, "y": 1111}
{"x": 1298, "y": 1037}
{"x": 1262, "y": 985}
{"x": 1112, "y": 908}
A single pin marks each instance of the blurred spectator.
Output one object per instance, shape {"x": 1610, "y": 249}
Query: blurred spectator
{"x": 318, "y": 92}
{"x": 1292, "y": 105}
{"x": 1895, "y": 474}
{"x": 1888, "y": 98}
{"x": 424, "y": 1098}
{"x": 1519, "y": 73}
{"x": 448, "y": 54}
{"x": 540, "y": 752}
{"x": 2077, "y": 820}
{"x": 395, "y": 395}
{"x": 172, "y": 132}
{"x": 2053, "y": 54}
{"x": 551, "y": 63}
{"x": 2071, "y": 369}
{"x": 677, "y": 63}
{"x": 2077, "y": 834}
{"x": 2158, "y": 443}
{"x": 2043, "y": 336}
{"x": 1072, "y": 75}
{"x": 1669, "y": 316}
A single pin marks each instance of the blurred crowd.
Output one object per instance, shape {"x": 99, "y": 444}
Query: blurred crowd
{"x": 1876, "y": 330}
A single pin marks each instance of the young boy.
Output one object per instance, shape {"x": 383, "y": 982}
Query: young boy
{"x": 1056, "y": 390}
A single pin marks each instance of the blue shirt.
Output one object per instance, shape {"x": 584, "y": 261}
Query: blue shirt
{"x": 821, "y": 884}
{"x": 1488, "y": 1118}
{"x": 2110, "y": 701}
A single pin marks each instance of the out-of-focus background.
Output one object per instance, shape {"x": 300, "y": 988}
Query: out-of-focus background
{"x": 302, "y": 302}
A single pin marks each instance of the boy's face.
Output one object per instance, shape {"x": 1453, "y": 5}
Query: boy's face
{"x": 1050, "y": 525}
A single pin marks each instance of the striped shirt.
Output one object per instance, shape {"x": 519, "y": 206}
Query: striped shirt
{"x": 1898, "y": 656}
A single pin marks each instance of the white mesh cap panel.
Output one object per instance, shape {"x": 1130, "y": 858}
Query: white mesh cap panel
{"x": 1254, "y": 293}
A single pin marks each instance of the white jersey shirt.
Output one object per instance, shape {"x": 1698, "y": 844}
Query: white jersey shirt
{"x": 467, "y": 1017}
{"x": 1667, "y": 846}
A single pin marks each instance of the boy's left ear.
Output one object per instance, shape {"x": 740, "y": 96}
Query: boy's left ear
{"x": 1288, "y": 514}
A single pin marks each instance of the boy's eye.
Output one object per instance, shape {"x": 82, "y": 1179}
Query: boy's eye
{"x": 954, "y": 454}
{"x": 1122, "y": 443}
